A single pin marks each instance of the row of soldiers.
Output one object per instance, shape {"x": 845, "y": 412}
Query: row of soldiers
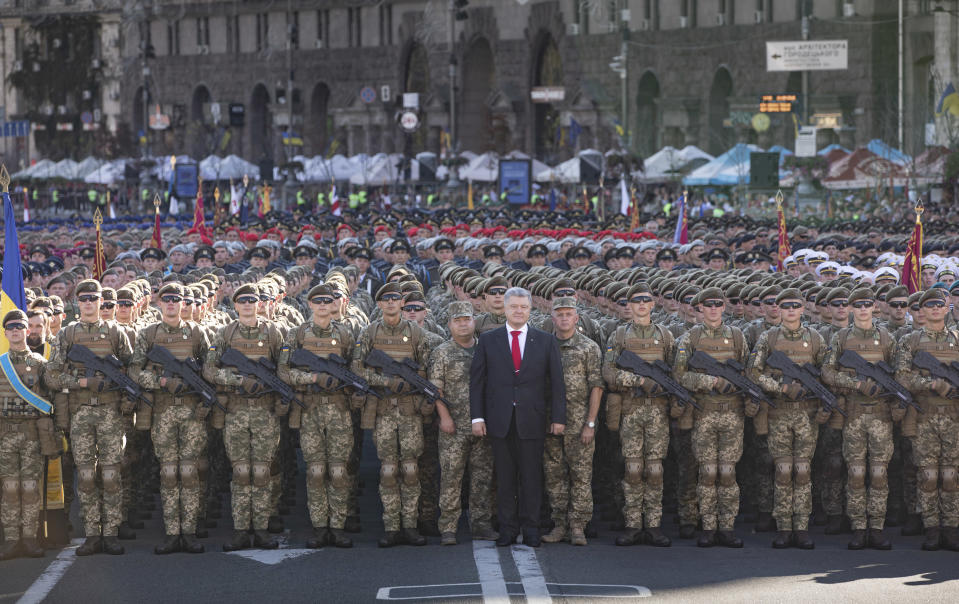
{"x": 595, "y": 314}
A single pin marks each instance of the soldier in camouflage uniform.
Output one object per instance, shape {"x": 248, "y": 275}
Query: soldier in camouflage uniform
{"x": 791, "y": 430}
{"x": 93, "y": 418}
{"x": 867, "y": 430}
{"x": 251, "y": 430}
{"x": 26, "y": 436}
{"x": 326, "y": 428}
{"x": 178, "y": 420}
{"x": 459, "y": 449}
{"x": 718, "y": 429}
{"x": 642, "y": 421}
{"x": 398, "y": 425}
{"x": 493, "y": 291}
{"x": 934, "y": 433}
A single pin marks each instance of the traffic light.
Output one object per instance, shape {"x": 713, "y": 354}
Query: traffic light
{"x": 459, "y": 6}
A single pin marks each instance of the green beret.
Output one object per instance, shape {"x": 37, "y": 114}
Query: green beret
{"x": 934, "y": 293}
{"x": 495, "y": 282}
{"x": 414, "y": 296}
{"x": 711, "y": 293}
{"x": 172, "y": 288}
{"x": 89, "y": 286}
{"x": 639, "y": 288}
{"x": 15, "y": 315}
{"x": 836, "y": 293}
{"x": 320, "y": 290}
{"x": 789, "y": 294}
{"x": 108, "y": 293}
{"x": 125, "y": 293}
{"x": 247, "y": 289}
{"x": 771, "y": 291}
{"x": 914, "y": 298}
{"x": 861, "y": 293}
{"x": 389, "y": 288}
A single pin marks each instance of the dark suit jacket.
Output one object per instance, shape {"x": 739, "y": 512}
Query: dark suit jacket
{"x": 538, "y": 389}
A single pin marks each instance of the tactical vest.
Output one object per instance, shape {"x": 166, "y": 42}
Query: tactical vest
{"x": 180, "y": 345}
{"x": 322, "y": 347}
{"x": 253, "y": 350}
{"x": 649, "y": 350}
{"x": 800, "y": 352}
{"x": 945, "y": 352}
{"x": 727, "y": 346}
{"x": 12, "y": 407}
{"x": 871, "y": 350}
{"x": 398, "y": 347}
{"x": 101, "y": 342}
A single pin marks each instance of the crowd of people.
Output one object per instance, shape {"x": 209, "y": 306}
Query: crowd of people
{"x": 712, "y": 424}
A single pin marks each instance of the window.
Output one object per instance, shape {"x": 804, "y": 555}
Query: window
{"x": 293, "y": 29}
{"x": 581, "y": 9}
{"x": 355, "y": 24}
{"x": 262, "y": 31}
{"x": 173, "y": 37}
{"x": 322, "y": 27}
{"x": 386, "y": 25}
{"x": 203, "y": 31}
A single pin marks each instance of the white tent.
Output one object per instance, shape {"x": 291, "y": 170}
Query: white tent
{"x": 730, "y": 168}
{"x": 566, "y": 172}
{"x": 107, "y": 173}
{"x": 668, "y": 162}
{"x": 89, "y": 165}
{"x": 163, "y": 170}
{"x": 44, "y": 165}
{"x": 381, "y": 170}
{"x": 231, "y": 166}
{"x": 485, "y": 167}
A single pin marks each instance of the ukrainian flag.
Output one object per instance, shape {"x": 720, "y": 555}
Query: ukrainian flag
{"x": 13, "y": 295}
{"x": 949, "y": 101}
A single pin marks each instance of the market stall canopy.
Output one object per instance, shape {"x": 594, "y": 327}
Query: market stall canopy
{"x": 862, "y": 168}
{"x": 730, "y": 168}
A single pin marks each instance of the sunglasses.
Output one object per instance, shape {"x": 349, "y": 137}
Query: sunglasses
{"x": 735, "y": 301}
{"x": 641, "y": 299}
{"x": 713, "y": 303}
{"x": 935, "y": 303}
{"x": 623, "y": 302}
{"x": 88, "y": 298}
{"x": 561, "y": 293}
{"x": 336, "y": 295}
{"x": 496, "y": 291}
{"x": 839, "y": 303}
{"x": 668, "y": 296}
{"x": 474, "y": 296}
{"x": 413, "y": 308}
{"x": 171, "y": 299}
{"x": 914, "y": 308}
{"x": 188, "y": 302}
{"x": 898, "y": 304}
{"x": 790, "y": 305}
{"x": 756, "y": 303}
{"x": 390, "y": 297}
{"x": 266, "y": 299}
{"x": 246, "y": 300}
{"x": 322, "y": 300}
{"x": 687, "y": 300}
{"x": 124, "y": 302}
{"x": 863, "y": 304}
{"x": 108, "y": 305}
{"x": 14, "y": 326}
{"x": 769, "y": 301}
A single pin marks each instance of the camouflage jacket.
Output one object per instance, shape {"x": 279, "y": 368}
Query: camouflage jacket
{"x": 144, "y": 342}
{"x": 449, "y": 369}
{"x": 581, "y": 372}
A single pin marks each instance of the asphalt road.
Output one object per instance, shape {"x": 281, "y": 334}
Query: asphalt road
{"x": 477, "y": 572}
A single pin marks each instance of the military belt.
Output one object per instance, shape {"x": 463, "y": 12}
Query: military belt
{"x": 27, "y": 426}
{"x": 736, "y": 405}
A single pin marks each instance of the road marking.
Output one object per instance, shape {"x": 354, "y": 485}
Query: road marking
{"x": 490, "y": 573}
{"x": 52, "y": 575}
{"x": 530, "y": 574}
{"x": 272, "y": 556}
{"x": 450, "y": 591}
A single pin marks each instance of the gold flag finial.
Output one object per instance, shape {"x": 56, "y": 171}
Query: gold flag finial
{"x": 779, "y": 198}
{"x": 156, "y": 201}
{"x": 97, "y": 218}
{"x": 4, "y": 178}
{"x": 919, "y": 208}
{"x": 216, "y": 194}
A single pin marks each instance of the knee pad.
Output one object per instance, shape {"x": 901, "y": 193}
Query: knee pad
{"x": 111, "y": 478}
{"x": 11, "y": 489}
{"x": 727, "y": 474}
{"x": 86, "y": 478}
{"x": 316, "y": 475}
{"x": 168, "y": 475}
{"x": 29, "y": 491}
{"x": 634, "y": 470}
{"x": 708, "y": 473}
{"x": 784, "y": 471}
{"x": 878, "y": 478}
{"x": 857, "y": 475}
{"x": 241, "y": 474}
{"x": 950, "y": 482}
{"x": 803, "y": 471}
{"x": 261, "y": 474}
{"x": 388, "y": 473}
{"x": 410, "y": 472}
{"x": 928, "y": 479}
{"x": 654, "y": 472}
{"x": 339, "y": 477}
{"x": 189, "y": 474}
{"x": 832, "y": 468}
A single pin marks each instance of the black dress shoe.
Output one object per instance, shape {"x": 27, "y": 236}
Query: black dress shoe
{"x": 728, "y": 539}
{"x": 170, "y": 545}
{"x": 92, "y": 545}
{"x": 632, "y": 536}
{"x": 505, "y": 540}
{"x": 390, "y": 539}
{"x": 532, "y": 539}
{"x": 190, "y": 545}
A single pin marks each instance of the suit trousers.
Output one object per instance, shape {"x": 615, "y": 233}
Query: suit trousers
{"x": 519, "y": 480}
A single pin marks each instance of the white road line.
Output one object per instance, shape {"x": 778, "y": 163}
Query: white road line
{"x": 530, "y": 573}
{"x": 49, "y": 578}
{"x": 490, "y": 573}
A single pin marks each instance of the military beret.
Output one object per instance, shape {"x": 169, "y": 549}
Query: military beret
{"x": 173, "y": 288}
{"x": 389, "y": 288}
{"x": 861, "y": 293}
{"x": 108, "y": 293}
{"x": 790, "y": 293}
{"x": 126, "y": 293}
{"x": 771, "y": 291}
{"x": 322, "y": 289}
{"x": 711, "y": 293}
{"x": 836, "y": 293}
{"x": 932, "y": 294}
{"x": 638, "y": 288}
{"x": 914, "y": 297}
{"x": 564, "y": 302}
{"x": 494, "y": 282}
{"x": 14, "y": 315}
{"x": 898, "y": 291}
{"x": 247, "y": 289}
{"x": 89, "y": 286}
{"x": 474, "y": 285}
{"x": 460, "y": 309}
{"x": 414, "y": 296}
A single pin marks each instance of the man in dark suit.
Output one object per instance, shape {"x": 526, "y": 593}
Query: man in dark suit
{"x": 517, "y": 394}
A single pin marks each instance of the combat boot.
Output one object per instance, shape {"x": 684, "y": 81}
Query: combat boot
{"x": 412, "y": 537}
{"x": 338, "y": 538}
{"x": 190, "y": 545}
{"x": 931, "y": 544}
{"x": 92, "y": 545}
{"x": 275, "y": 525}
{"x": 171, "y": 544}
{"x": 352, "y": 524}
{"x": 877, "y": 540}
{"x": 485, "y": 534}
{"x": 319, "y": 538}
{"x": 10, "y": 550}
{"x": 577, "y": 536}
{"x": 240, "y": 540}
{"x": 656, "y": 538}
{"x": 390, "y": 539}
{"x": 632, "y": 536}
{"x": 728, "y": 539}
{"x": 765, "y": 523}
{"x": 783, "y": 540}
{"x": 687, "y": 531}
{"x": 803, "y": 541}
{"x": 950, "y": 536}
{"x": 125, "y": 532}
{"x": 263, "y": 540}
{"x": 556, "y": 535}
{"x": 428, "y": 528}
{"x": 111, "y": 545}
{"x": 32, "y": 548}
{"x": 912, "y": 526}
{"x": 707, "y": 539}
{"x": 834, "y": 525}
{"x": 858, "y": 539}
{"x": 448, "y": 539}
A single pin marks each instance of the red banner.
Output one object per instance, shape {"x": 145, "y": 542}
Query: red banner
{"x": 911, "y": 266}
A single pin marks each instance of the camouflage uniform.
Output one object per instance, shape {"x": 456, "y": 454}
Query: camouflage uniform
{"x": 326, "y": 427}
{"x": 792, "y": 431}
{"x": 567, "y": 462}
{"x": 178, "y": 422}
{"x": 487, "y": 321}
{"x": 450, "y": 371}
{"x": 429, "y": 461}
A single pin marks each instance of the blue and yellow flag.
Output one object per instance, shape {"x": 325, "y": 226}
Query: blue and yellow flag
{"x": 13, "y": 295}
{"x": 948, "y": 102}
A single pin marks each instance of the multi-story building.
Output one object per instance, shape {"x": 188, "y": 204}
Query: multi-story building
{"x": 219, "y": 73}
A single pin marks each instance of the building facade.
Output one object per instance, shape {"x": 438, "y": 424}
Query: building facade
{"x": 215, "y": 75}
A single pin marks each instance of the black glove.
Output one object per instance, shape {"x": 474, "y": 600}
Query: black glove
{"x": 398, "y": 386}
{"x": 173, "y": 385}
{"x": 251, "y": 386}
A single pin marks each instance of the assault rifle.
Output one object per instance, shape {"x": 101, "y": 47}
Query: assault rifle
{"x": 658, "y": 371}
{"x": 111, "y": 367}
{"x": 406, "y": 371}
{"x": 879, "y": 372}
{"x": 334, "y": 365}
{"x": 806, "y": 374}
{"x": 188, "y": 370}
{"x": 732, "y": 372}
{"x": 264, "y": 371}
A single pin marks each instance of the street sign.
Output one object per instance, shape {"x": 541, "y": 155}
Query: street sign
{"x": 409, "y": 121}
{"x": 86, "y": 117}
{"x": 807, "y": 55}
{"x": 367, "y": 94}
{"x": 806, "y": 142}
{"x": 547, "y": 94}
{"x": 411, "y": 100}
{"x": 386, "y": 94}
{"x": 15, "y": 128}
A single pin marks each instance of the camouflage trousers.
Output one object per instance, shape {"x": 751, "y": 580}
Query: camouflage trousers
{"x": 568, "y": 476}
{"x": 867, "y": 437}
{"x": 251, "y": 436}
{"x": 326, "y": 439}
{"x": 399, "y": 443}
{"x": 21, "y": 474}
{"x": 937, "y": 455}
{"x": 430, "y": 472}
{"x": 179, "y": 440}
{"x": 644, "y": 434}
{"x": 718, "y": 445}
{"x": 459, "y": 452}
{"x": 829, "y": 452}
{"x": 681, "y": 443}
{"x": 130, "y": 458}
{"x": 792, "y": 442}
{"x": 96, "y": 436}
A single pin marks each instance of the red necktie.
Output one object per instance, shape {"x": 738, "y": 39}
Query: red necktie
{"x": 517, "y": 357}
